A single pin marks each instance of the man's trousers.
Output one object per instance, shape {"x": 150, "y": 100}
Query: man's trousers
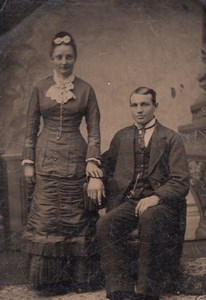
{"x": 159, "y": 251}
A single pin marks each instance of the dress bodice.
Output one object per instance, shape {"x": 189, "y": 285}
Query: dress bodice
{"x": 72, "y": 148}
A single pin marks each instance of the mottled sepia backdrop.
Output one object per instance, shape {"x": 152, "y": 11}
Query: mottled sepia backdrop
{"x": 121, "y": 45}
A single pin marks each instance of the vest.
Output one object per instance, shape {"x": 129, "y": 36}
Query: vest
{"x": 140, "y": 185}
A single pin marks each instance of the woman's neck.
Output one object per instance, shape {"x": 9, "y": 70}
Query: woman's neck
{"x": 62, "y": 78}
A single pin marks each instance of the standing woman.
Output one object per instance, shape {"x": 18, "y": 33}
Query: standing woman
{"x": 59, "y": 232}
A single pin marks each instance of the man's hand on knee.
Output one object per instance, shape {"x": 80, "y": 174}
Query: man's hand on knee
{"x": 145, "y": 203}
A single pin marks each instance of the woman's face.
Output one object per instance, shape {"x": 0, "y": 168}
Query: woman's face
{"x": 63, "y": 59}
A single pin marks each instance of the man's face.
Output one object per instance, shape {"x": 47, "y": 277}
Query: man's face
{"x": 142, "y": 108}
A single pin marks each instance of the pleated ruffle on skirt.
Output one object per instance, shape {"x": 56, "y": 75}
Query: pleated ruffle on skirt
{"x": 50, "y": 271}
{"x": 57, "y": 223}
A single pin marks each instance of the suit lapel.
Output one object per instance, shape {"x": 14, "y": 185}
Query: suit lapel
{"x": 158, "y": 144}
{"x": 127, "y": 148}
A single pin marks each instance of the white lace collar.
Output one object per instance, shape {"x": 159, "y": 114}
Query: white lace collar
{"x": 61, "y": 91}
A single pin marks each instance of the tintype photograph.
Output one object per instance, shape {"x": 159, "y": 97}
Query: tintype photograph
{"x": 103, "y": 149}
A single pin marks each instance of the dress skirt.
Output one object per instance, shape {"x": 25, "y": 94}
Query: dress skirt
{"x": 59, "y": 233}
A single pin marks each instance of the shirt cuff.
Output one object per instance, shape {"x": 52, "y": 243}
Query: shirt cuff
{"x": 95, "y": 160}
{"x": 26, "y": 161}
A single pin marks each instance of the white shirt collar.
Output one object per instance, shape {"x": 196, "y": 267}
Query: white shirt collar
{"x": 149, "y": 124}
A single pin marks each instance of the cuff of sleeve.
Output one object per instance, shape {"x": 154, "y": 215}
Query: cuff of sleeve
{"x": 163, "y": 200}
{"x": 94, "y": 160}
{"x": 160, "y": 202}
{"x": 91, "y": 177}
{"x": 26, "y": 161}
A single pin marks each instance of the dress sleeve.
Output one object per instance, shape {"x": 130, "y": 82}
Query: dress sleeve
{"x": 92, "y": 117}
{"x": 32, "y": 127}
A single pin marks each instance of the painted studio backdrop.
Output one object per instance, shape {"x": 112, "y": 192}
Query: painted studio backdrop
{"x": 121, "y": 45}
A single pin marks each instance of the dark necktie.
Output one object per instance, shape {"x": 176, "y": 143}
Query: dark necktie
{"x": 140, "y": 137}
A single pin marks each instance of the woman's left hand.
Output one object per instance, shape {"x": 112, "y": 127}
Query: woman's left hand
{"x": 93, "y": 170}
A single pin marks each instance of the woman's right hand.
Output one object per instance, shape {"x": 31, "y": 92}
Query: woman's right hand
{"x": 93, "y": 170}
{"x": 29, "y": 173}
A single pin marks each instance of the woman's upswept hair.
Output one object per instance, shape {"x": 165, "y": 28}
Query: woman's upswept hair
{"x": 64, "y": 38}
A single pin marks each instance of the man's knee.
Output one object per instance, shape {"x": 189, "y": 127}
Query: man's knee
{"x": 152, "y": 212}
{"x": 155, "y": 216}
{"x": 110, "y": 225}
{"x": 159, "y": 220}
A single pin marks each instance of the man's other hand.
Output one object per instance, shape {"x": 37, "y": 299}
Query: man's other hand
{"x": 145, "y": 203}
{"x": 96, "y": 190}
{"x": 29, "y": 173}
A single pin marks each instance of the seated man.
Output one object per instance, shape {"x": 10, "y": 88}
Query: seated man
{"x": 148, "y": 178}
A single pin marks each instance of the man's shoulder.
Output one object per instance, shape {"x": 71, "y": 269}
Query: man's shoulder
{"x": 166, "y": 129}
{"x": 167, "y": 132}
{"x": 125, "y": 132}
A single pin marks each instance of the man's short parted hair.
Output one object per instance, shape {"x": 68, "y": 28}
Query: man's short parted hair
{"x": 143, "y": 90}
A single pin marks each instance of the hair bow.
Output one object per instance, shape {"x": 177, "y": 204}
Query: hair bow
{"x": 65, "y": 39}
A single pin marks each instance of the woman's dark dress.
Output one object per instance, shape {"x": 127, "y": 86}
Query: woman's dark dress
{"x": 58, "y": 226}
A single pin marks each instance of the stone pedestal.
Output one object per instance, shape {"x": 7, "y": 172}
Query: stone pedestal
{"x": 193, "y": 218}
{"x": 194, "y": 137}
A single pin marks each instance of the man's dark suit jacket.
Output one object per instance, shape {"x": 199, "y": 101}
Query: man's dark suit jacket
{"x": 168, "y": 167}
